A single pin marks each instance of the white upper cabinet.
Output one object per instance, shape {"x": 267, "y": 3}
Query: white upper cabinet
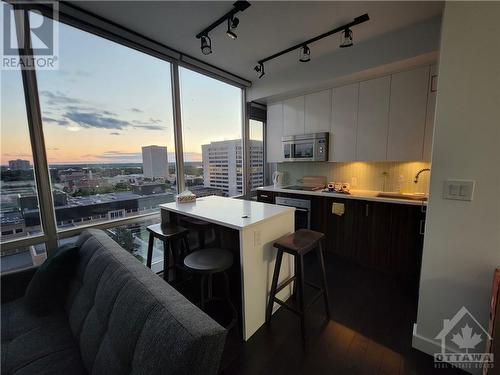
{"x": 373, "y": 119}
{"x": 317, "y": 112}
{"x": 344, "y": 123}
{"x": 293, "y": 116}
{"x": 407, "y": 115}
{"x": 431, "y": 107}
{"x": 274, "y": 129}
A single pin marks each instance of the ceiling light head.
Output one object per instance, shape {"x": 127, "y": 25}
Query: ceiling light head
{"x": 305, "y": 54}
{"x": 234, "y": 22}
{"x": 260, "y": 69}
{"x": 229, "y": 33}
{"x": 206, "y": 45}
{"x": 346, "y": 39}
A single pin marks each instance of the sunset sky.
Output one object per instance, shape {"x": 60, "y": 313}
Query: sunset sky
{"x": 106, "y": 101}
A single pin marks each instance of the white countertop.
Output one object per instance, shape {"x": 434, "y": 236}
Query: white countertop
{"x": 367, "y": 195}
{"x": 228, "y": 212}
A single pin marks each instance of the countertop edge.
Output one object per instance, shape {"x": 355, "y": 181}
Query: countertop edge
{"x": 226, "y": 224}
{"x": 345, "y": 196}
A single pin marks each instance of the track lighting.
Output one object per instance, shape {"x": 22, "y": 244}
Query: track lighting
{"x": 303, "y": 47}
{"x": 346, "y": 38}
{"x": 206, "y": 45}
{"x": 232, "y": 23}
{"x": 305, "y": 54}
{"x": 260, "y": 69}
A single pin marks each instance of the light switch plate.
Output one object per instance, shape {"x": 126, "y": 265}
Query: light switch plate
{"x": 461, "y": 190}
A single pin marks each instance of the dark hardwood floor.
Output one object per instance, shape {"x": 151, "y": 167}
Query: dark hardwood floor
{"x": 369, "y": 333}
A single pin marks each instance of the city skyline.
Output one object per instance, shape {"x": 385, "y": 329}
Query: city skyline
{"x": 104, "y": 114}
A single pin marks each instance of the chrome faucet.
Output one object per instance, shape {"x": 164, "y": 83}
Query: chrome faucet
{"x": 415, "y": 180}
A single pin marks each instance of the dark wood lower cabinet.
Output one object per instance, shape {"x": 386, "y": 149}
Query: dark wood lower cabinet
{"x": 384, "y": 236}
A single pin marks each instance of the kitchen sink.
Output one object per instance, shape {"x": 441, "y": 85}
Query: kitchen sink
{"x": 415, "y": 197}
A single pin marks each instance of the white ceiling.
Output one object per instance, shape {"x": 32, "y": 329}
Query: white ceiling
{"x": 265, "y": 28}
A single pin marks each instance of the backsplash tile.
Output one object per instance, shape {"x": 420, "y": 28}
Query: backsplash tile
{"x": 380, "y": 176}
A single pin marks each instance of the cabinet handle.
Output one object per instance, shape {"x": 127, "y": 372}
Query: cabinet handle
{"x": 434, "y": 83}
{"x": 422, "y": 227}
{"x": 264, "y": 196}
{"x": 366, "y": 210}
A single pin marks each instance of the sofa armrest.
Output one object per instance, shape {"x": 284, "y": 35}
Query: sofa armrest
{"x": 14, "y": 284}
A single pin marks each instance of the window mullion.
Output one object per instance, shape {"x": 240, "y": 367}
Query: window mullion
{"x": 40, "y": 164}
{"x": 176, "y": 102}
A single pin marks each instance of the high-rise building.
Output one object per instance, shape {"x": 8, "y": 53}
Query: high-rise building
{"x": 19, "y": 165}
{"x": 154, "y": 161}
{"x": 223, "y": 165}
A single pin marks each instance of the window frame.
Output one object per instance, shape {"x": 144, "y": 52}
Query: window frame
{"x": 86, "y": 22}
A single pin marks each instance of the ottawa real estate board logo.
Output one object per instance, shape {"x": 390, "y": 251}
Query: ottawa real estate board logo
{"x": 462, "y": 341}
{"x": 30, "y": 35}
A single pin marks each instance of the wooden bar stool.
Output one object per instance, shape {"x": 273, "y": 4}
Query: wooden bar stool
{"x": 201, "y": 227}
{"x": 298, "y": 244}
{"x": 168, "y": 233}
{"x": 207, "y": 263}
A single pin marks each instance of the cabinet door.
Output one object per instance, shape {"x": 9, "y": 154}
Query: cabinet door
{"x": 344, "y": 123}
{"x": 407, "y": 114}
{"x": 274, "y": 129}
{"x": 317, "y": 112}
{"x": 373, "y": 119}
{"x": 293, "y": 116}
{"x": 431, "y": 108}
{"x": 340, "y": 229}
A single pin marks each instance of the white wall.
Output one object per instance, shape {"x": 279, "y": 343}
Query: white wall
{"x": 462, "y": 239}
{"x": 414, "y": 45}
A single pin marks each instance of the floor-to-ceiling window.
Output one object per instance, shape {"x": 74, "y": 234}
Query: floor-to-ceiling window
{"x": 18, "y": 193}
{"x": 108, "y": 125}
{"x": 212, "y": 134}
{"x": 107, "y": 120}
{"x": 256, "y": 146}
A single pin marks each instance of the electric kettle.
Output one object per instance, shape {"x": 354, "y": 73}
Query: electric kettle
{"x": 278, "y": 179}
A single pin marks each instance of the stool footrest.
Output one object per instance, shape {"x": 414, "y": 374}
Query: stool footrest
{"x": 288, "y": 307}
{"x": 313, "y": 285}
{"x": 314, "y": 298}
{"x": 285, "y": 283}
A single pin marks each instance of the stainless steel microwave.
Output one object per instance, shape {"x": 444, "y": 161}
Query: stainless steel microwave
{"x": 306, "y": 147}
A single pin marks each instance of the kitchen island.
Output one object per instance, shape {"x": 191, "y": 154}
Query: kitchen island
{"x": 256, "y": 225}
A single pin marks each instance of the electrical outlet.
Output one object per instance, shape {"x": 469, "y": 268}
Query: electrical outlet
{"x": 461, "y": 190}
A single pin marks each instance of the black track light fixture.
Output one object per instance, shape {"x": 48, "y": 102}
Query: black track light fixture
{"x": 232, "y": 23}
{"x": 260, "y": 69}
{"x": 346, "y": 38}
{"x": 206, "y": 45}
{"x": 305, "y": 54}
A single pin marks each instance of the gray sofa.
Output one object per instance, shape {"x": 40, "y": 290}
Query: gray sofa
{"x": 119, "y": 318}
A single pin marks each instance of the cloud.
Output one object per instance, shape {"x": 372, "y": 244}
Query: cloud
{"x": 150, "y": 127}
{"x": 75, "y": 114}
{"x": 61, "y": 122}
{"x": 114, "y": 133}
{"x": 96, "y": 120}
{"x": 116, "y": 156}
{"x": 58, "y": 98}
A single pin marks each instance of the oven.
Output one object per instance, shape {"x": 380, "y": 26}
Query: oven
{"x": 306, "y": 147}
{"x": 302, "y": 210}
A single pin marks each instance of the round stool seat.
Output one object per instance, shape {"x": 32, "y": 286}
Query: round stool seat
{"x": 209, "y": 260}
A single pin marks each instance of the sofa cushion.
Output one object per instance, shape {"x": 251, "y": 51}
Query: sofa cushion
{"x": 47, "y": 288}
{"x": 126, "y": 319}
{"x": 34, "y": 344}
